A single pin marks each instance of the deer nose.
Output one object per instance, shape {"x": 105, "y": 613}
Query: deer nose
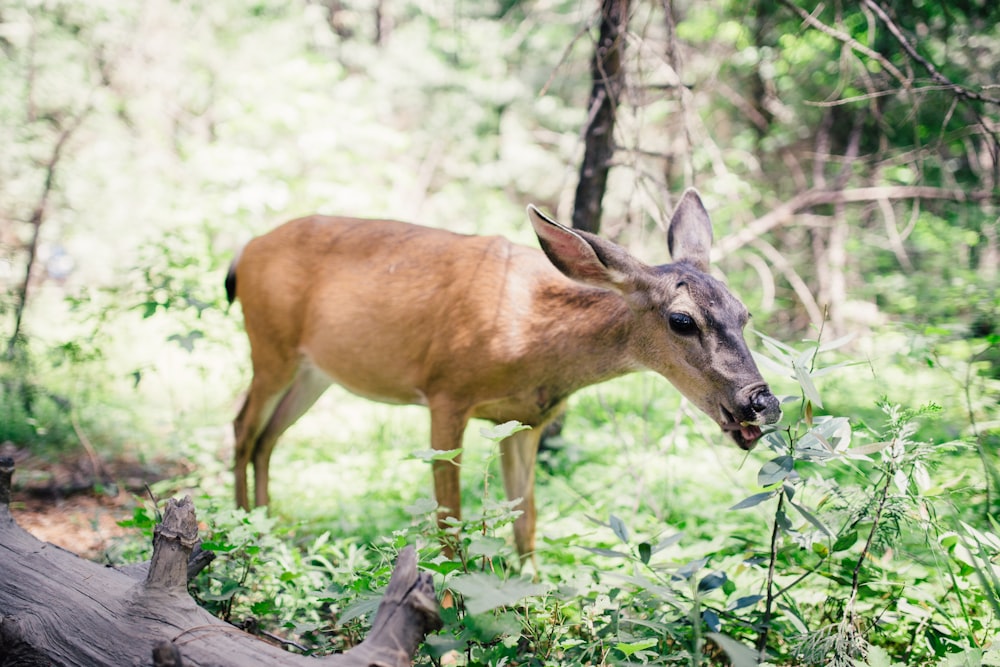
{"x": 766, "y": 404}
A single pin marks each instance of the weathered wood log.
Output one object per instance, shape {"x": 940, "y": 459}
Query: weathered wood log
{"x": 59, "y": 609}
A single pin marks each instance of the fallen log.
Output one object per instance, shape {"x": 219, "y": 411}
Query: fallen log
{"x": 59, "y": 609}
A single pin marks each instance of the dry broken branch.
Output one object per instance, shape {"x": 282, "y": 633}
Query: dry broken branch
{"x": 56, "y": 608}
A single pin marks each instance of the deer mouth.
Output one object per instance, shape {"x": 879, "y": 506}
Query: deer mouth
{"x": 745, "y": 433}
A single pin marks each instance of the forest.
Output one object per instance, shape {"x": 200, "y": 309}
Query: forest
{"x": 848, "y": 154}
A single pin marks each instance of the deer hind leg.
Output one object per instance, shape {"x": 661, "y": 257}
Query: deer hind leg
{"x": 447, "y": 428}
{"x": 308, "y": 385}
{"x": 517, "y": 459}
{"x": 266, "y": 390}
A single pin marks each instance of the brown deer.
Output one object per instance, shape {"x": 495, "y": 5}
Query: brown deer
{"x": 478, "y": 327}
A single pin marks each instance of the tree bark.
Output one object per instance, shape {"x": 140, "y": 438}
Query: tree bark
{"x": 59, "y": 609}
{"x": 608, "y": 83}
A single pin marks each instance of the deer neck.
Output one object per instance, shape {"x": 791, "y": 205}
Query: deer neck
{"x": 590, "y": 330}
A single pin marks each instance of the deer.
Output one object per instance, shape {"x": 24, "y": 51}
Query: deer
{"x": 478, "y": 327}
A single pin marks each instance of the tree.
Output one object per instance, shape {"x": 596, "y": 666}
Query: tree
{"x": 608, "y": 76}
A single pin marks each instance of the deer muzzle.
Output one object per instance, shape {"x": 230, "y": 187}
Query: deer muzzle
{"x": 753, "y": 408}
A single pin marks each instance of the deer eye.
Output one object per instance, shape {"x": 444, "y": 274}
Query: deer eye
{"x": 682, "y": 324}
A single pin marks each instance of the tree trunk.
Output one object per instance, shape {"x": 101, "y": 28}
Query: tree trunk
{"x": 609, "y": 79}
{"x": 59, "y": 609}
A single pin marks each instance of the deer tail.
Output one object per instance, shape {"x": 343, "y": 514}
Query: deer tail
{"x": 231, "y": 279}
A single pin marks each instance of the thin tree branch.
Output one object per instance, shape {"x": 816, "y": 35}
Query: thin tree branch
{"x": 873, "y": 95}
{"x": 850, "y": 41}
{"x": 769, "y": 602}
{"x": 856, "y": 574}
{"x": 958, "y": 89}
{"x": 798, "y": 285}
{"x": 892, "y": 233}
{"x": 37, "y": 218}
{"x": 814, "y": 197}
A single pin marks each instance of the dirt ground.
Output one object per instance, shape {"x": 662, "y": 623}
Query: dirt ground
{"x": 69, "y": 504}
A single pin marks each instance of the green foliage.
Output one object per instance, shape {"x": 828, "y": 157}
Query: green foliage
{"x": 868, "y": 562}
{"x": 848, "y": 548}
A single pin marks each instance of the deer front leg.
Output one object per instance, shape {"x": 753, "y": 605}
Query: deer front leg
{"x": 447, "y": 428}
{"x": 517, "y": 458}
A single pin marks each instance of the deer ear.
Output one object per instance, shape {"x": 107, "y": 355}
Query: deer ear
{"x": 689, "y": 235}
{"x": 581, "y": 256}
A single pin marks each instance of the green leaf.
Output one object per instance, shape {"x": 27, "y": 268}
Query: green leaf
{"x": 774, "y": 471}
{"x": 367, "y": 604}
{"x": 686, "y": 571}
{"x": 808, "y": 388}
{"x": 845, "y": 541}
{"x": 489, "y": 627}
{"x": 441, "y": 567}
{"x": 610, "y": 553}
{"x": 870, "y": 448}
{"x": 770, "y": 365}
{"x": 743, "y": 602}
{"x": 826, "y": 439}
{"x": 230, "y": 587}
{"x": 878, "y": 657}
{"x": 826, "y": 370}
{"x": 776, "y": 440}
{"x": 782, "y": 353}
{"x": 712, "y": 581}
{"x": 618, "y": 526}
{"x": 793, "y": 618}
{"x": 484, "y": 545}
{"x": 902, "y": 481}
{"x": 634, "y": 647}
{"x": 738, "y": 653}
{"x": 781, "y": 520}
{"x": 435, "y": 454}
{"x": 421, "y": 506}
{"x": 811, "y": 518}
{"x": 836, "y": 343}
{"x": 753, "y": 500}
{"x": 141, "y": 518}
{"x": 263, "y": 607}
{"x": 668, "y": 542}
{"x": 504, "y": 430}
{"x": 483, "y": 592}
{"x": 645, "y": 552}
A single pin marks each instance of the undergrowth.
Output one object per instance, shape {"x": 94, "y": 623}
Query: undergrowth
{"x": 859, "y": 547}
